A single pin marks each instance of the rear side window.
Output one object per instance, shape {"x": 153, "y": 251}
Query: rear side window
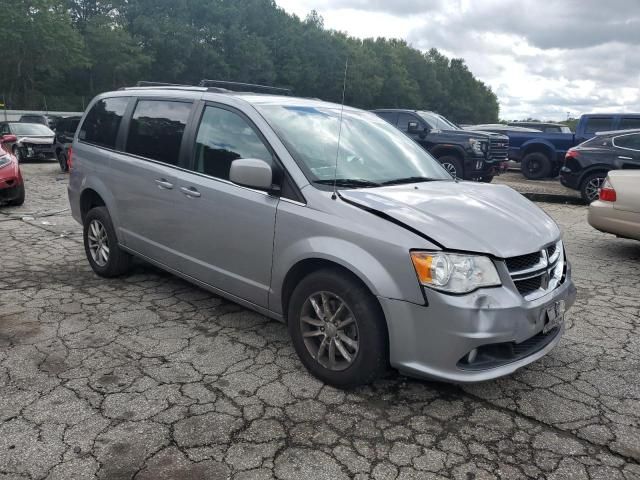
{"x": 598, "y": 124}
{"x": 156, "y": 130}
{"x": 390, "y": 117}
{"x": 224, "y": 136}
{"x": 628, "y": 123}
{"x": 100, "y": 127}
{"x": 628, "y": 141}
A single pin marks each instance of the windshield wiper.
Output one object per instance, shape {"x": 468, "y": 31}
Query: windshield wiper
{"x": 348, "y": 182}
{"x": 399, "y": 181}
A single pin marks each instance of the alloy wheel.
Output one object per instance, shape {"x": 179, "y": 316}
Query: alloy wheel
{"x": 593, "y": 188}
{"x": 451, "y": 168}
{"x": 98, "y": 243}
{"x": 329, "y": 330}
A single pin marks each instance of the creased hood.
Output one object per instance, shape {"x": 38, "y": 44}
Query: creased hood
{"x": 467, "y": 216}
{"x": 45, "y": 140}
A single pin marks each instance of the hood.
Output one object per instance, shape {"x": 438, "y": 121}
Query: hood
{"x": 466, "y": 216}
{"x": 480, "y": 135}
{"x": 37, "y": 140}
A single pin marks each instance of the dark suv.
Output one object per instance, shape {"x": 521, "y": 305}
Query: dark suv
{"x": 586, "y": 166}
{"x": 464, "y": 154}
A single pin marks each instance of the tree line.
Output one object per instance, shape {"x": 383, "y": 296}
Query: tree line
{"x": 60, "y": 53}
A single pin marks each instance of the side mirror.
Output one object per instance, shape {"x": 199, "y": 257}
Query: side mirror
{"x": 413, "y": 127}
{"x": 252, "y": 173}
{"x": 8, "y": 139}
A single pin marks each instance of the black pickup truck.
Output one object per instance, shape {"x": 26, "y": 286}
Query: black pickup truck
{"x": 468, "y": 155}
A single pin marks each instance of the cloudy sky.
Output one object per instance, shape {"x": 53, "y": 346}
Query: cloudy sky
{"x": 543, "y": 58}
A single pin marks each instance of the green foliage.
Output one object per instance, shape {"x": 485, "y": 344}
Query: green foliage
{"x": 67, "y": 48}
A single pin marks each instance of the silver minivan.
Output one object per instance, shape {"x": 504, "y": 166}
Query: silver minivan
{"x": 328, "y": 219}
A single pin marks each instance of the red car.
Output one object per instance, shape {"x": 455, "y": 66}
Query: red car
{"x": 11, "y": 184}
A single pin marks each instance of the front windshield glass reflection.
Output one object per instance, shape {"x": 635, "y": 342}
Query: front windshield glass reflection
{"x": 371, "y": 150}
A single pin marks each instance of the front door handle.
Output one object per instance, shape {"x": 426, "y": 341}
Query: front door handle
{"x": 190, "y": 192}
{"x": 163, "y": 183}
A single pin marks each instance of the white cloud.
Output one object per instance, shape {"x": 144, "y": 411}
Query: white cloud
{"x": 543, "y": 59}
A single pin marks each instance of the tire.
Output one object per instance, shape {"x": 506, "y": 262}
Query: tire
{"x": 536, "y": 166}
{"x": 486, "y": 179}
{"x": 16, "y": 153}
{"x": 62, "y": 160}
{"x": 453, "y": 165}
{"x": 369, "y": 358}
{"x": 590, "y": 184}
{"x": 98, "y": 232}
{"x": 19, "y": 200}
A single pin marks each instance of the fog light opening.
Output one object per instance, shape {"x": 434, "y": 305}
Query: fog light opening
{"x": 471, "y": 356}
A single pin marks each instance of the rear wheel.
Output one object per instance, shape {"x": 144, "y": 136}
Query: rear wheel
{"x": 590, "y": 186}
{"x": 106, "y": 258}
{"x": 62, "y": 160}
{"x": 338, "y": 329}
{"x": 453, "y": 165}
{"x": 536, "y": 166}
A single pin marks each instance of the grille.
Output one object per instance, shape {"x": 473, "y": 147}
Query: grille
{"x": 37, "y": 147}
{"x": 529, "y": 285}
{"x": 498, "y": 149}
{"x": 536, "y": 274}
{"x": 523, "y": 261}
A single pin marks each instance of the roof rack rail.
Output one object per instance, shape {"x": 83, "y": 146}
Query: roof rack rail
{"x": 144, "y": 83}
{"x": 246, "y": 87}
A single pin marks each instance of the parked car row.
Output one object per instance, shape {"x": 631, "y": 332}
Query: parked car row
{"x": 542, "y": 153}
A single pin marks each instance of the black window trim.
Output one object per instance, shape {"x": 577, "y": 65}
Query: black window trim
{"x": 83, "y": 119}
{"x": 281, "y": 174}
{"x": 613, "y": 141}
{"x": 123, "y": 132}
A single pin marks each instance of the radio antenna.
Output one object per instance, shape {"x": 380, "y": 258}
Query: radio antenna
{"x": 335, "y": 169}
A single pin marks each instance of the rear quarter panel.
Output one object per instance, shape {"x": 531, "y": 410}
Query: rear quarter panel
{"x": 626, "y": 183}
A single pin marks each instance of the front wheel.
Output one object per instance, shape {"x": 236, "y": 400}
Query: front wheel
{"x": 105, "y": 256}
{"x": 338, "y": 329}
{"x": 590, "y": 186}
{"x": 536, "y": 166}
{"x": 17, "y": 154}
{"x": 19, "y": 200}
{"x": 453, "y": 165}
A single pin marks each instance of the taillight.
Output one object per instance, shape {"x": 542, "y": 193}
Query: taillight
{"x": 69, "y": 158}
{"x": 607, "y": 193}
{"x": 572, "y": 154}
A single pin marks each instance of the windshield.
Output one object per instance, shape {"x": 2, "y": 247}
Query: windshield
{"x": 30, "y": 129}
{"x": 438, "y": 122}
{"x": 372, "y": 151}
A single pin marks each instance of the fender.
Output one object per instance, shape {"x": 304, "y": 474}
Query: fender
{"x": 448, "y": 147}
{"x": 348, "y": 255}
{"x": 93, "y": 182}
{"x": 539, "y": 144}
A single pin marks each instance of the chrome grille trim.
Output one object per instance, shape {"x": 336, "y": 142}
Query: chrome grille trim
{"x": 549, "y": 270}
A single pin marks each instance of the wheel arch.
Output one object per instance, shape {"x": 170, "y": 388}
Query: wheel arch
{"x": 442, "y": 150}
{"x": 307, "y": 266}
{"x": 538, "y": 146}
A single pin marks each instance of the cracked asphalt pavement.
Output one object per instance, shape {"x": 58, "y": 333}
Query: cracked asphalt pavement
{"x": 149, "y": 377}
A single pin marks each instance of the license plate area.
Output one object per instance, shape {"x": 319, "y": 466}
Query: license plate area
{"x": 554, "y": 316}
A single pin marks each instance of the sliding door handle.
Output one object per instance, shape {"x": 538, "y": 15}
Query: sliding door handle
{"x": 190, "y": 192}
{"x": 163, "y": 183}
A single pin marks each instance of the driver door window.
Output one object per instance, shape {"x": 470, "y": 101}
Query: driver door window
{"x": 224, "y": 136}
{"x": 403, "y": 121}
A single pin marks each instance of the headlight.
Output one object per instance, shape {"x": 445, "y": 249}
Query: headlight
{"x": 454, "y": 273}
{"x": 478, "y": 146}
{"x": 5, "y": 160}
